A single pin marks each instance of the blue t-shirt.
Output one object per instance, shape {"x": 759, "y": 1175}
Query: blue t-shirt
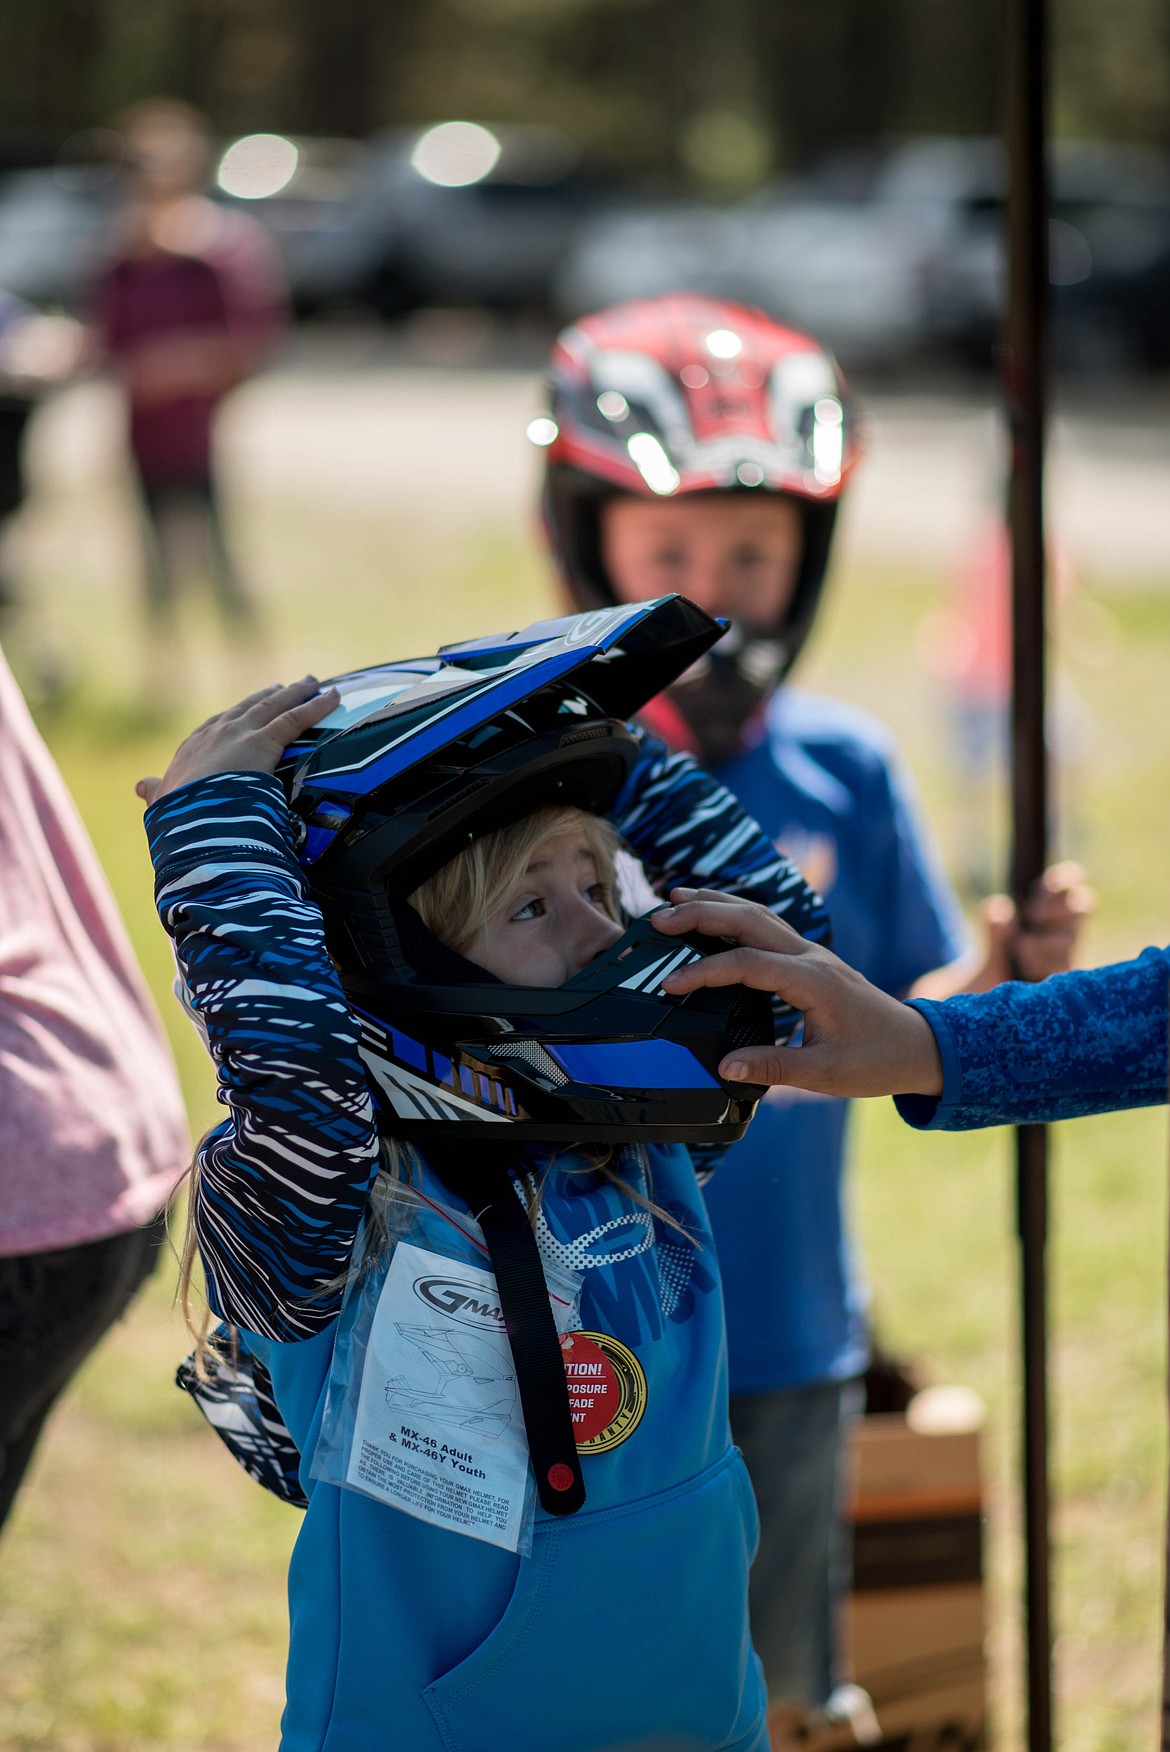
{"x": 825, "y": 786}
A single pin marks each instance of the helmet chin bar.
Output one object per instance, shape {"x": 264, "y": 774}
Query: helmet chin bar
{"x": 605, "y": 1057}
{"x": 719, "y": 697}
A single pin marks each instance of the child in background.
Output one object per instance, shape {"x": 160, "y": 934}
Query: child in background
{"x": 701, "y": 447}
{"x": 376, "y": 1067}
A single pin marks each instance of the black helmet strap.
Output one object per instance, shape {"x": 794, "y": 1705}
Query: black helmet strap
{"x": 532, "y": 1334}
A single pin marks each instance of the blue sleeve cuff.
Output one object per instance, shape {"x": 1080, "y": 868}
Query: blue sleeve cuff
{"x": 930, "y": 1112}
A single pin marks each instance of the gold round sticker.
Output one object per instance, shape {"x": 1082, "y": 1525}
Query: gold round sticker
{"x": 607, "y": 1390}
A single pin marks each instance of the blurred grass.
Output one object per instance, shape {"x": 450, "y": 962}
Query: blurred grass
{"x": 142, "y": 1575}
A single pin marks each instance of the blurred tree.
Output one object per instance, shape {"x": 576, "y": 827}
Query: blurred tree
{"x": 47, "y": 52}
{"x": 850, "y": 70}
{"x": 1112, "y": 69}
{"x": 713, "y": 92}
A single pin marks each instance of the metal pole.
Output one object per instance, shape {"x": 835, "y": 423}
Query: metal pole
{"x": 1164, "y": 1741}
{"x": 1025, "y": 374}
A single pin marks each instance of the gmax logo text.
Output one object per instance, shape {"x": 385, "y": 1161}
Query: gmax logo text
{"x": 460, "y": 1301}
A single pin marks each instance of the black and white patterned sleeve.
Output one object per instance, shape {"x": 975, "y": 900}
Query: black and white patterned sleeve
{"x": 283, "y": 1181}
{"x": 689, "y": 831}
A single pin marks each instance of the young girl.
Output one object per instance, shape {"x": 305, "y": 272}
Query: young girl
{"x": 432, "y": 1605}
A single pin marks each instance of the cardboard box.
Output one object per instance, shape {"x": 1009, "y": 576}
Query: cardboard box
{"x": 914, "y": 1622}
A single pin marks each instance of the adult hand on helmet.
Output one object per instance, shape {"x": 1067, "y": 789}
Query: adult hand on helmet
{"x": 857, "y": 1040}
{"x": 248, "y": 737}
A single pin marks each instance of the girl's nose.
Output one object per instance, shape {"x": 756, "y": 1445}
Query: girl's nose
{"x": 596, "y": 932}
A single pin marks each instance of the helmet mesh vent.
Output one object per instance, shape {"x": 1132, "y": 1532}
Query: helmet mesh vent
{"x": 589, "y": 734}
{"x": 532, "y": 1054}
{"x": 458, "y": 796}
{"x": 749, "y": 1022}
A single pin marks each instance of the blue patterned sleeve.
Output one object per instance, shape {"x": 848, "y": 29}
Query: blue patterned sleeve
{"x": 690, "y": 832}
{"x": 283, "y": 1181}
{"x": 1079, "y": 1043}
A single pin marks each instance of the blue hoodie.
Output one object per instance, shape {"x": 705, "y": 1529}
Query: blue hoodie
{"x": 626, "y": 1628}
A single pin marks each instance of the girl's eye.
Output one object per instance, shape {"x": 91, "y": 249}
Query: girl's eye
{"x": 599, "y": 894}
{"x": 532, "y": 909}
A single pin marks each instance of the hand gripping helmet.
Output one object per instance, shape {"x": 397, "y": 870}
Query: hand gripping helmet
{"x": 685, "y": 394}
{"x": 422, "y": 756}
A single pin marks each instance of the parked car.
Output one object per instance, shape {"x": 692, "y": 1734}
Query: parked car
{"x": 1117, "y": 316}
{"x": 456, "y": 213}
{"x": 1109, "y": 228}
{"x": 53, "y": 223}
{"x": 55, "y": 218}
{"x": 883, "y": 255}
{"x": 644, "y": 250}
{"x": 822, "y": 252}
{"x": 295, "y": 185}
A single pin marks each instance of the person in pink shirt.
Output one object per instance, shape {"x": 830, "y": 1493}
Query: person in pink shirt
{"x": 93, "y": 1137}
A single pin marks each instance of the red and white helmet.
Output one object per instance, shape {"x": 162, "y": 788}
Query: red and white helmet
{"x": 686, "y": 394}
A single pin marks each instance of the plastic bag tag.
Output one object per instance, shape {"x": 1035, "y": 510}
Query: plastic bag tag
{"x": 422, "y": 1406}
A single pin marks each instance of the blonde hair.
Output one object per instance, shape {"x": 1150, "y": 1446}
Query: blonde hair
{"x": 196, "y": 1320}
{"x": 458, "y": 900}
{"x": 454, "y": 904}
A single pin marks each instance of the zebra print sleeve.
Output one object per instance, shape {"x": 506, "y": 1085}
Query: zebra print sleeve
{"x": 689, "y": 831}
{"x": 283, "y": 1181}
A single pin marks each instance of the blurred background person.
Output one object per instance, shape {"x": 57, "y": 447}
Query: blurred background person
{"x": 38, "y": 351}
{"x": 188, "y": 307}
{"x": 702, "y": 447}
{"x": 966, "y": 645}
{"x": 93, "y": 1136}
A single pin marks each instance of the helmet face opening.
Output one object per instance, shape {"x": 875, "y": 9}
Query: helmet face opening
{"x": 424, "y": 756}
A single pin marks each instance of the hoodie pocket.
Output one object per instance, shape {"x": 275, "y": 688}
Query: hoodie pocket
{"x": 627, "y": 1630}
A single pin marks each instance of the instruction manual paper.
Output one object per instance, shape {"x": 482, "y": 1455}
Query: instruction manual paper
{"x": 439, "y": 1430}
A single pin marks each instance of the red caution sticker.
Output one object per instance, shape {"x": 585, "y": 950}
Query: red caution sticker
{"x": 607, "y": 1390}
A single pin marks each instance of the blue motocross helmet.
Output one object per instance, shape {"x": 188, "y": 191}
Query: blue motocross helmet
{"x": 425, "y": 754}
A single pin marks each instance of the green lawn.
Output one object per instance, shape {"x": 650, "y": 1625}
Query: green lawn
{"x": 141, "y": 1579}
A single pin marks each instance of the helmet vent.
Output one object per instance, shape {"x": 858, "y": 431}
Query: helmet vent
{"x": 749, "y": 1022}
{"x": 532, "y": 1054}
{"x": 589, "y": 734}
{"x": 458, "y": 796}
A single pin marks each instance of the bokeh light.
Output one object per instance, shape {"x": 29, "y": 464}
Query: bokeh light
{"x": 456, "y": 154}
{"x": 258, "y": 166}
